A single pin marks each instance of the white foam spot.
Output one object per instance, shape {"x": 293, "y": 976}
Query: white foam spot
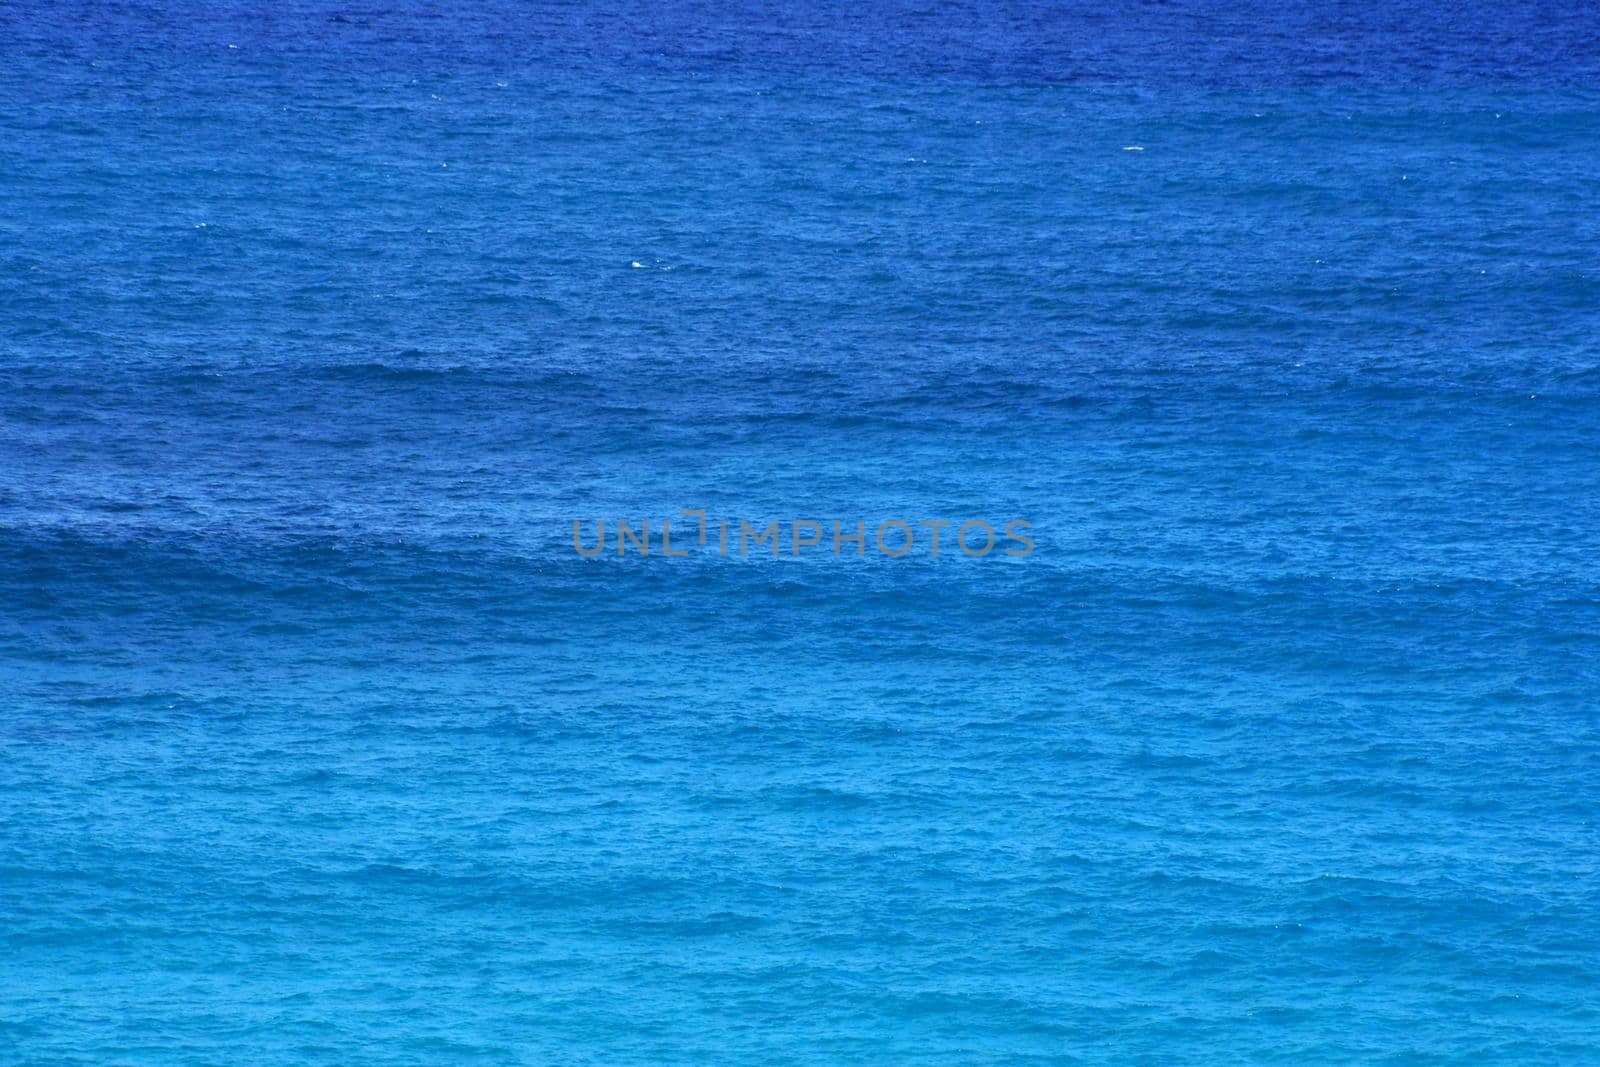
{"x": 1133, "y": 148}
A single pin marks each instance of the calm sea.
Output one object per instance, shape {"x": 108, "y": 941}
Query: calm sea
{"x": 320, "y": 324}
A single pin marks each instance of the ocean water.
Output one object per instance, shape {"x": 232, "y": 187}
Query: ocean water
{"x": 319, "y": 327}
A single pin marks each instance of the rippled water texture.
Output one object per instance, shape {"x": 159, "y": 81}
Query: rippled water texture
{"x": 318, "y": 327}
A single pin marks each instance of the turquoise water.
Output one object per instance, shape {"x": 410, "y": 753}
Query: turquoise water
{"x": 319, "y": 328}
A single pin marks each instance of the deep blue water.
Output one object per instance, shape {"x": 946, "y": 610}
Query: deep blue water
{"x": 320, "y": 743}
